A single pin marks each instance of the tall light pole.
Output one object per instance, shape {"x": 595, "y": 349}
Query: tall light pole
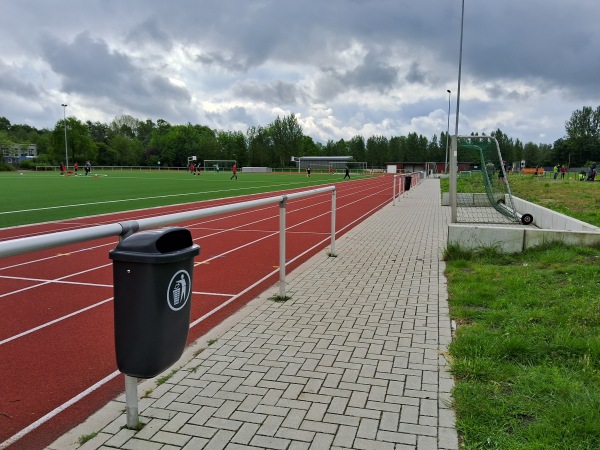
{"x": 454, "y": 152}
{"x": 447, "y": 132}
{"x": 64, "y": 105}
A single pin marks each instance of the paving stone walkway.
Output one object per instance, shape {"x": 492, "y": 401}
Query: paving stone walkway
{"x": 355, "y": 359}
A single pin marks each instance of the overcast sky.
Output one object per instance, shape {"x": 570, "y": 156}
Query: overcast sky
{"x": 343, "y": 67}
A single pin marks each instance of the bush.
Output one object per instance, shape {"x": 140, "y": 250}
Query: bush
{"x": 6, "y": 167}
{"x": 27, "y": 164}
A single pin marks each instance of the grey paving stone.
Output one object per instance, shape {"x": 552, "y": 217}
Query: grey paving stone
{"x": 355, "y": 360}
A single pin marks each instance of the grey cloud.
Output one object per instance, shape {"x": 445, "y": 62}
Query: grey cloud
{"x": 90, "y": 68}
{"x": 371, "y": 74}
{"x": 416, "y": 74}
{"x": 150, "y": 33}
{"x": 234, "y": 64}
{"x": 12, "y": 81}
{"x": 275, "y": 93}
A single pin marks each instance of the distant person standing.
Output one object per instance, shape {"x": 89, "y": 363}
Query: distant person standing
{"x": 555, "y": 171}
{"x": 347, "y": 174}
{"x": 308, "y": 171}
{"x": 63, "y": 168}
{"x": 563, "y": 171}
{"x": 192, "y": 169}
{"x": 88, "y": 167}
{"x": 75, "y": 167}
{"x": 234, "y": 172}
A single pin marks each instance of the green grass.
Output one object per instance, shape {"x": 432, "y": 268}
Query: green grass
{"x": 45, "y": 196}
{"x": 526, "y": 355}
{"x": 577, "y": 199}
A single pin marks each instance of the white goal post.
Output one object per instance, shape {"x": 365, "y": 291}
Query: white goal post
{"x": 217, "y": 165}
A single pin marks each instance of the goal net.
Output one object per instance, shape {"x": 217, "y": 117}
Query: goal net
{"x": 482, "y": 189}
{"x": 354, "y": 167}
{"x": 218, "y": 165}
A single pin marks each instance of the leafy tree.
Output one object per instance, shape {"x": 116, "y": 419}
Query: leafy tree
{"x": 583, "y": 135}
{"x": 377, "y": 150}
{"x": 358, "y": 149}
{"x": 309, "y": 147}
{"x": 128, "y": 150}
{"x": 99, "y": 132}
{"x": 79, "y": 142}
{"x": 125, "y": 125}
{"x": 232, "y": 146}
{"x": 4, "y": 124}
{"x": 286, "y": 135}
{"x": 260, "y": 147}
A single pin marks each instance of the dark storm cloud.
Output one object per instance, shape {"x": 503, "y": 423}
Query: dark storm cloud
{"x": 234, "y": 64}
{"x": 373, "y": 73}
{"x": 555, "y": 44}
{"x": 335, "y": 62}
{"x": 277, "y": 92}
{"x": 89, "y": 67}
{"x": 12, "y": 82}
{"x": 149, "y": 33}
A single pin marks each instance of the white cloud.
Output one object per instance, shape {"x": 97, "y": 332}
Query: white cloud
{"x": 345, "y": 67}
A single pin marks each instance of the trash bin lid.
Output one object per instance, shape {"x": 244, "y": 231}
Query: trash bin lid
{"x": 160, "y": 246}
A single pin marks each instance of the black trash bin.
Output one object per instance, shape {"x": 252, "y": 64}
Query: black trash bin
{"x": 407, "y": 181}
{"x": 152, "y": 274}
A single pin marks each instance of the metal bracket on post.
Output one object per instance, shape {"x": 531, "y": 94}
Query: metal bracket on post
{"x": 131, "y": 402}
{"x": 129, "y": 228}
{"x": 282, "y": 247}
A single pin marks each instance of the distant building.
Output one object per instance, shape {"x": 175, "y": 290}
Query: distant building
{"x": 15, "y": 153}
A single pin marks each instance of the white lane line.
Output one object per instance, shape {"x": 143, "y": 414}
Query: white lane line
{"x": 45, "y": 281}
{"x": 58, "y": 410}
{"x": 54, "y": 281}
{"x": 78, "y": 205}
{"x": 105, "y": 380}
{"x": 52, "y": 322}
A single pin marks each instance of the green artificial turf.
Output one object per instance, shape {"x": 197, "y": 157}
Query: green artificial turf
{"x": 45, "y": 196}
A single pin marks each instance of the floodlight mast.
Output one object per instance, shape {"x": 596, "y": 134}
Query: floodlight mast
{"x": 64, "y": 105}
{"x": 447, "y": 132}
{"x": 454, "y": 152}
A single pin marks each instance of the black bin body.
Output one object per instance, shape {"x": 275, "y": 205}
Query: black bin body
{"x": 152, "y": 275}
{"x": 407, "y": 181}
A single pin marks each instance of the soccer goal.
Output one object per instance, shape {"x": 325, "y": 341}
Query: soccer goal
{"x": 483, "y": 192}
{"x": 218, "y": 165}
{"x": 340, "y": 167}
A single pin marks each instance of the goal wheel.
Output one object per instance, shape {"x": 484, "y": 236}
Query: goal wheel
{"x": 526, "y": 219}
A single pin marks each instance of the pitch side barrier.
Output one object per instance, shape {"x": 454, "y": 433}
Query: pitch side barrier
{"x": 405, "y": 181}
{"x": 124, "y": 229}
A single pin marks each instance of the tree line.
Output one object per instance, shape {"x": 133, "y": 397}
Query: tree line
{"x": 128, "y": 141}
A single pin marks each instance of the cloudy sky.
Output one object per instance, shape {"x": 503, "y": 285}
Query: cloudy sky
{"x": 343, "y": 67}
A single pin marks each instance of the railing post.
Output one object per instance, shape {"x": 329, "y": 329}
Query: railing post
{"x": 131, "y": 402}
{"x": 333, "y": 210}
{"x": 394, "y": 190}
{"x": 282, "y": 247}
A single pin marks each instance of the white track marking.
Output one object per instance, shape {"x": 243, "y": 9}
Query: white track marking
{"x": 79, "y": 205}
{"x": 43, "y": 283}
{"x": 105, "y": 380}
{"x": 52, "y": 322}
{"x": 58, "y": 410}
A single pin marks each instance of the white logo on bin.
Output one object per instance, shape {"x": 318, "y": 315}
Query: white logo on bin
{"x": 179, "y": 290}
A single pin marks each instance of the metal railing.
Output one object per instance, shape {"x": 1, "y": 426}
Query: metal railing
{"x": 124, "y": 229}
{"x": 400, "y": 180}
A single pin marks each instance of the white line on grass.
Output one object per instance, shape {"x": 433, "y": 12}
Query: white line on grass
{"x": 105, "y": 380}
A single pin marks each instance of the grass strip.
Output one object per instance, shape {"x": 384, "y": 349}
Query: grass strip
{"x": 526, "y": 352}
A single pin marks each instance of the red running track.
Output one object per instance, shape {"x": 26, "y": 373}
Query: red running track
{"x": 56, "y": 311}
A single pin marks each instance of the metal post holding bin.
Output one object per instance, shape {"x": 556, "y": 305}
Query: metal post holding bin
{"x": 407, "y": 181}
{"x": 152, "y": 275}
